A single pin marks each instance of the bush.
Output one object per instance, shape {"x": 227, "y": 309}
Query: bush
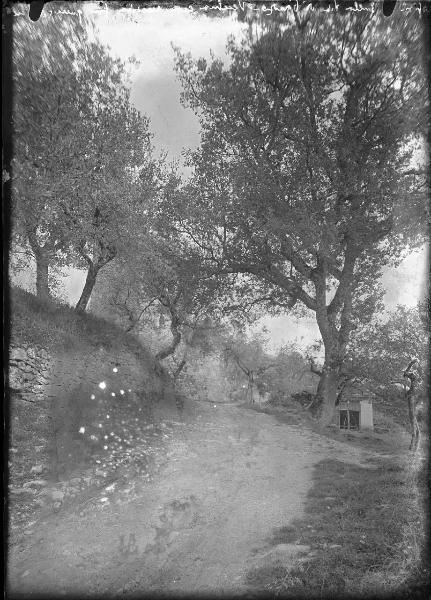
{"x": 304, "y": 398}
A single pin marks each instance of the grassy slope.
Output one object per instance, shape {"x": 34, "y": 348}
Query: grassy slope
{"x": 56, "y": 326}
{"x": 366, "y": 527}
{"x": 366, "y": 532}
{"x": 32, "y": 434}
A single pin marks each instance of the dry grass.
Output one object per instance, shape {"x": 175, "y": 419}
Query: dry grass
{"x": 55, "y": 325}
{"x": 366, "y": 531}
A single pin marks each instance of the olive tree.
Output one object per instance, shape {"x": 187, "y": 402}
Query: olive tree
{"x": 304, "y": 182}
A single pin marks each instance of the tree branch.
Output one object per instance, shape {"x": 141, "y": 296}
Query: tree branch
{"x": 345, "y": 281}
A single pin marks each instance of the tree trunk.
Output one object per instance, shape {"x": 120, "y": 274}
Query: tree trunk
{"x": 335, "y": 337}
{"x": 414, "y": 427}
{"x": 106, "y": 253}
{"x": 179, "y": 369}
{"x": 42, "y": 269}
{"x": 251, "y": 385}
{"x": 326, "y": 396}
{"x": 88, "y": 288}
{"x": 42, "y": 256}
{"x": 165, "y": 352}
{"x": 176, "y": 339}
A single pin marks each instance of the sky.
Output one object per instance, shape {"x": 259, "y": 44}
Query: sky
{"x": 148, "y": 35}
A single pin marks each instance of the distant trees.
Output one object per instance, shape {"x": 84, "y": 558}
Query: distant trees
{"x": 80, "y": 147}
{"x": 276, "y": 375}
{"x": 290, "y": 375}
{"x": 380, "y": 351}
{"x": 248, "y": 355}
{"x": 303, "y": 183}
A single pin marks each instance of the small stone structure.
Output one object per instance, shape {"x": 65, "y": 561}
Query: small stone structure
{"x": 355, "y": 410}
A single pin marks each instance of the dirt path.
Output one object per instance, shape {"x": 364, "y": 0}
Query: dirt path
{"x": 232, "y": 477}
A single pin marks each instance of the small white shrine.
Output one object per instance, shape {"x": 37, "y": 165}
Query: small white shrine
{"x": 355, "y": 410}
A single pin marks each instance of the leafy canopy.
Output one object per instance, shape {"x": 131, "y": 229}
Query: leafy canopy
{"x": 80, "y": 147}
{"x": 303, "y": 181}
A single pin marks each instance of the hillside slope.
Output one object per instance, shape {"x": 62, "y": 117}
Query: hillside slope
{"x": 81, "y": 394}
{"x": 147, "y": 498}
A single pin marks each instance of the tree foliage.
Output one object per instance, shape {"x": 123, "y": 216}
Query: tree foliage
{"x": 290, "y": 375}
{"x": 80, "y": 146}
{"x": 303, "y": 182}
{"x": 305, "y": 186}
{"x": 248, "y": 357}
{"x": 380, "y": 352}
{"x": 167, "y": 278}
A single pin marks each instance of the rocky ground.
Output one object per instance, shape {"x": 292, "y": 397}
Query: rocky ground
{"x": 191, "y": 513}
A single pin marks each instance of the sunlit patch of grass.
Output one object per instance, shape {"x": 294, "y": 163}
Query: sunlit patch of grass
{"x": 365, "y": 529}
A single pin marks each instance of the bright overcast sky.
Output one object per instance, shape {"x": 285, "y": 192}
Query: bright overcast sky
{"x": 148, "y": 34}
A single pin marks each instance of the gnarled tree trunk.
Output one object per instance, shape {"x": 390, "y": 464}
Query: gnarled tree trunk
{"x": 170, "y": 349}
{"x": 334, "y": 321}
{"x": 107, "y": 253}
{"x": 42, "y": 272}
{"x": 171, "y": 305}
{"x": 42, "y": 255}
{"x": 414, "y": 426}
{"x": 326, "y": 396}
{"x": 179, "y": 369}
{"x": 90, "y": 282}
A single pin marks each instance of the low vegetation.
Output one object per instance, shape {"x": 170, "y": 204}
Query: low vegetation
{"x": 365, "y": 532}
{"x": 47, "y": 323}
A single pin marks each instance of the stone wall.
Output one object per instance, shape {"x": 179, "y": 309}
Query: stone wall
{"x": 28, "y": 371}
{"x": 39, "y": 376}
{"x": 57, "y": 402}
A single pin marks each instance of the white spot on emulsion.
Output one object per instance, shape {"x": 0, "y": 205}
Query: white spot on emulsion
{"x": 112, "y": 393}
{"x": 102, "y": 385}
{"x": 130, "y": 390}
{"x": 93, "y": 397}
{"x": 115, "y": 370}
{"x": 122, "y": 392}
{"x": 100, "y": 425}
{"x": 108, "y": 417}
{"x": 82, "y": 430}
